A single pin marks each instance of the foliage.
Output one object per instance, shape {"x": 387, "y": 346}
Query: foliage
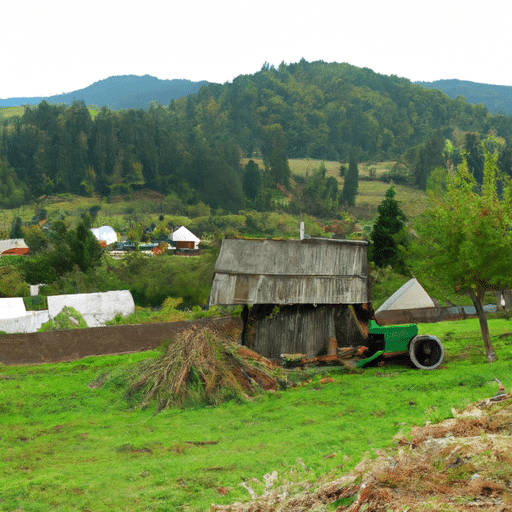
{"x": 388, "y": 235}
{"x": 425, "y": 157}
{"x": 66, "y": 249}
{"x": 68, "y": 318}
{"x": 466, "y": 236}
{"x": 16, "y": 228}
{"x": 152, "y": 280}
{"x": 191, "y": 148}
{"x": 350, "y": 186}
{"x": 13, "y": 192}
{"x": 318, "y": 195}
{"x": 36, "y": 239}
{"x": 12, "y": 283}
{"x": 35, "y": 303}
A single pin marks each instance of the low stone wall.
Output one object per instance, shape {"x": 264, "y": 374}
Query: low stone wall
{"x": 70, "y": 345}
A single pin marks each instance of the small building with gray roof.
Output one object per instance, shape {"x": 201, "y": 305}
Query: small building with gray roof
{"x": 299, "y": 296}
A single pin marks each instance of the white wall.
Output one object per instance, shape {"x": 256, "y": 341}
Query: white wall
{"x": 12, "y": 307}
{"x": 95, "y": 308}
{"x": 30, "y": 322}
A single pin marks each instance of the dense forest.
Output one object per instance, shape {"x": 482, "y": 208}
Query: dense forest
{"x": 496, "y": 98}
{"x": 192, "y": 147}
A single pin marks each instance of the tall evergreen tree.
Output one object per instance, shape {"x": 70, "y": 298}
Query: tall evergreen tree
{"x": 16, "y": 228}
{"x": 273, "y": 150}
{"x": 388, "y": 236}
{"x": 349, "y": 192}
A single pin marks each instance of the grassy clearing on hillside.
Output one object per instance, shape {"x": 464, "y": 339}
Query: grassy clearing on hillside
{"x": 370, "y": 192}
{"x": 69, "y": 443}
{"x": 6, "y": 112}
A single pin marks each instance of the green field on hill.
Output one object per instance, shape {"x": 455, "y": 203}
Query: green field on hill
{"x": 72, "y": 441}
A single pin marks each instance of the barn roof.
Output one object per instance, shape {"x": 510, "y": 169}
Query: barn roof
{"x": 311, "y": 271}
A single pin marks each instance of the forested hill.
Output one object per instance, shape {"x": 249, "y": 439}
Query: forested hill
{"x": 118, "y": 92}
{"x": 192, "y": 147}
{"x": 496, "y": 98}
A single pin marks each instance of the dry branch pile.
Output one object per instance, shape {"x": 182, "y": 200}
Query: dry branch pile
{"x": 464, "y": 463}
{"x": 202, "y": 366}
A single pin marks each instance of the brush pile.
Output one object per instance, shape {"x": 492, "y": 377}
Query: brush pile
{"x": 202, "y": 366}
{"x": 462, "y": 463}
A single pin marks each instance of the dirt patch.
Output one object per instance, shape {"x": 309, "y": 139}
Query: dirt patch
{"x": 464, "y": 463}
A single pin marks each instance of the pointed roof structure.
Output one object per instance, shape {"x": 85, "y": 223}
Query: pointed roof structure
{"x": 410, "y": 296}
{"x": 184, "y": 235}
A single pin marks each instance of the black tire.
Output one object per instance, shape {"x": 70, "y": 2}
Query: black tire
{"x": 426, "y": 352}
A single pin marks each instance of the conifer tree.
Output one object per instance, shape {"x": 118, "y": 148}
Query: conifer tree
{"x": 388, "y": 235}
{"x": 349, "y": 192}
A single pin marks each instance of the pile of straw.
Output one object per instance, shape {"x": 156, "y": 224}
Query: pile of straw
{"x": 201, "y": 366}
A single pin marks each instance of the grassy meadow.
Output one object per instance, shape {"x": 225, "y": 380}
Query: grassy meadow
{"x": 6, "y": 112}
{"x": 70, "y": 440}
{"x": 371, "y": 192}
{"x": 145, "y": 206}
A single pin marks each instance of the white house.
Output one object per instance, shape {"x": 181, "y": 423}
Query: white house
{"x": 185, "y": 239}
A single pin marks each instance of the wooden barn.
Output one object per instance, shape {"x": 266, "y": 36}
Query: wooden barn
{"x": 299, "y": 296}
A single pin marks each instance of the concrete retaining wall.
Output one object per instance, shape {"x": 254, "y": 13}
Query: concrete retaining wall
{"x": 70, "y": 345}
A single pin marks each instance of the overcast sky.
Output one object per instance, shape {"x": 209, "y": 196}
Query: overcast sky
{"x": 52, "y": 46}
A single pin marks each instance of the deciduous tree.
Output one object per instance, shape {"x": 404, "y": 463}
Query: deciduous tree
{"x": 467, "y": 238}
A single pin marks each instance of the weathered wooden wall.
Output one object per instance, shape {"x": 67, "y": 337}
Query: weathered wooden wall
{"x": 312, "y": 271}
{"x": 303, "y": 329}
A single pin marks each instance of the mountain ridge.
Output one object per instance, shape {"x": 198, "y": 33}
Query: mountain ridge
{"x": 496, "y": 98}
{"x": 136, "y": 92}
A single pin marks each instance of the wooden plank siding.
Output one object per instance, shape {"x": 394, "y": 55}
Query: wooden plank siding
{"x": 296, "y": 293}
{"x": 303, "y": 329}
{"x": 312, "y": 271}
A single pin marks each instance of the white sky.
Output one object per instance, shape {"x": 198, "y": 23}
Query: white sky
{"x": 56, "y": 46}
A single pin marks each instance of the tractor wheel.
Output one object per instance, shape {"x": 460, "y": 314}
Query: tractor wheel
{"x": 426, "y": 352}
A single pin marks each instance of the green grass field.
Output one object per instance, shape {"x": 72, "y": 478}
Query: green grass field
{"x": 69, "y": 443}
{"x": 370, "y": 193}
{"x": 11, "y": 111}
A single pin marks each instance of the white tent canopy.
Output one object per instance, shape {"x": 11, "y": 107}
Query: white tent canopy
{"x": 105, "y": 233}
{"x": 410, "y": 296}
{"x": 184, "y": 235}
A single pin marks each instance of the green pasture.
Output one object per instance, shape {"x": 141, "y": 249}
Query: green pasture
{"x": 70, "y": 440}
{"x": 6, "y": 112}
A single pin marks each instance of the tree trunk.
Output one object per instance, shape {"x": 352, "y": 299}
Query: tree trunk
{"x": 484, "y": 327}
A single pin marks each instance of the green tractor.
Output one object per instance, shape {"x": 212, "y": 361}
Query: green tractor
{"x": 425, "y": 351}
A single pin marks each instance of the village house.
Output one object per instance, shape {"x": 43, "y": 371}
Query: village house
{"x": 13, "y": 246}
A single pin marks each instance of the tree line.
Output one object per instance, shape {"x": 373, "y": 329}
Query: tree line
{"x": 192, "y": 147}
